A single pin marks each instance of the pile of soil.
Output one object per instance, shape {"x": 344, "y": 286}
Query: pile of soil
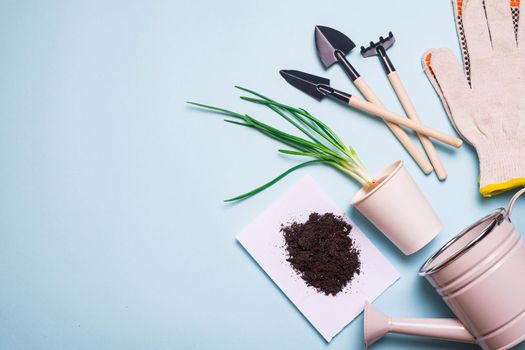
{"x": 321, "y": 251}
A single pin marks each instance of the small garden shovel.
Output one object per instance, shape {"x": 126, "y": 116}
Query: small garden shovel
{"x": 319, "y": 87}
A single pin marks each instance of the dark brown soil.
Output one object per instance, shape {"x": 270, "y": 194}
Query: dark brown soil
{"x": 322, "y": 252}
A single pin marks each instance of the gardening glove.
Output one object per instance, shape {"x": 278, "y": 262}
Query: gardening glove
{"x": 484, "y": 101}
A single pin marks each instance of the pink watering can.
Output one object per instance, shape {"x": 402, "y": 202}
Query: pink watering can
{"x": 480, "y": 274}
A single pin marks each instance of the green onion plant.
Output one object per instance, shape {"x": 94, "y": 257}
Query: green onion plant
{"x": 318, "y": 142}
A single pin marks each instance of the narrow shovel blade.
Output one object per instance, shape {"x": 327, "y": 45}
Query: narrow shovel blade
{"x": 305, "y": 82}
{"x": 328, "y": 41}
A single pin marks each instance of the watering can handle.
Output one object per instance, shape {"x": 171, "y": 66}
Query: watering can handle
{"x": 513, "y": 201}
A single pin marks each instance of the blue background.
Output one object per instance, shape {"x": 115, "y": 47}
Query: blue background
{"x": 113, "y": 234}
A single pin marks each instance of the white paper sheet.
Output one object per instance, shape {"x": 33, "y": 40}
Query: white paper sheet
{"x": 264, "y": 241}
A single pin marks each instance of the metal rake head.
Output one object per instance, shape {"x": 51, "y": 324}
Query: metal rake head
{"x": 383, "y": 42}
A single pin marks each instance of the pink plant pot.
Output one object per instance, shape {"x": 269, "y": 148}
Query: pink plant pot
{"x": 398, "y": 208}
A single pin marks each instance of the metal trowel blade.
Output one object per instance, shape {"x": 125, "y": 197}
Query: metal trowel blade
{"x": 305, "y": 82}
{"x": 328, "y": 41}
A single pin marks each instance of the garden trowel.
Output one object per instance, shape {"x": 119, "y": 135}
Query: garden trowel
{"x": 379, "y": 49}
{"x": 332, "y": 47}
{"x": 319, "y": 87}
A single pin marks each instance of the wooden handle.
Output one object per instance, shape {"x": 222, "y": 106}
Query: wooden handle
{"x": 401, "y": 135}
{"x": 410, "y": 110}
{"x": 399, "y": 120}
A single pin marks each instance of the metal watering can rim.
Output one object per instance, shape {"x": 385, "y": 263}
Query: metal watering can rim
{"x": 377, "y": 324}
{"x": 495, "y": 218}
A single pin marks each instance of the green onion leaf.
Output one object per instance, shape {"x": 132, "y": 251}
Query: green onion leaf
{"x": 272, "y": 182}
{"x": 320, "y": 142}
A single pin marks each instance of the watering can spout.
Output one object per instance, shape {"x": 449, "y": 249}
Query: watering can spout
{"x": 378, "y": 324}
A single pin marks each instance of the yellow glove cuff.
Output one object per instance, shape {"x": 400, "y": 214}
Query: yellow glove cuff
{"x": 494, "y": 189}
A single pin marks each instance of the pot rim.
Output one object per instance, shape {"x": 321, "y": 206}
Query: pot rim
{"x": 391, "y": 170}
{"x": 496, "y": 217}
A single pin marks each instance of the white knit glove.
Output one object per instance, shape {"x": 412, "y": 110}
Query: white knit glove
{"x": 486, "y": 102}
